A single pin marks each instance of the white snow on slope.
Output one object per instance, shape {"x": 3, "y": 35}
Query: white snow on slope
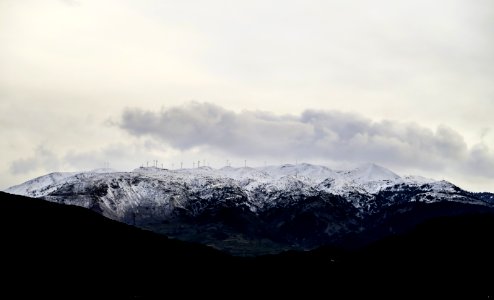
{"x": 119, "y": 192}
{"x": 372, "y": 172}
{"x": 368, "y": 178}
{"x": 42, "y": 185}
{"x": 46, "y": 184}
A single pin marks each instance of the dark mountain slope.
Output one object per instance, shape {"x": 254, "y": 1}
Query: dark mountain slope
{"x": 57, "y": 248}
{"x": 449, "y": 255}
{"x": 66, "y": 251}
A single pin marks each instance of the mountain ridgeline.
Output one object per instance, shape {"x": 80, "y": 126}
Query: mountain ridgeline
{"x": 256, "y": 211}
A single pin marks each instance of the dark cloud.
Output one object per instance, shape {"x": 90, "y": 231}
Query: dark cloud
{"x": 480, "y": 161}
{"x": 327, "y": 135}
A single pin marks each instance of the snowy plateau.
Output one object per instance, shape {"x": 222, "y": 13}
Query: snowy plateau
{"x": 254, "y": 211}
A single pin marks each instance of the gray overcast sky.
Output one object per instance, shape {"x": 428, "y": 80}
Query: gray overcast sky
{"x": 407, "y": 84}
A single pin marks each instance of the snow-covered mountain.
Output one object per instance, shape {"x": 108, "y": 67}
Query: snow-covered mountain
{"x": 368, "y": 178}
{"x": 258, "y": 210}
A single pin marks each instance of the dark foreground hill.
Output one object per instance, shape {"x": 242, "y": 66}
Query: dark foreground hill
{"x": 67, "y": 251}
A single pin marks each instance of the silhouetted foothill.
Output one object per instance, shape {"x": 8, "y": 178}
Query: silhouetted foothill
{"x": 59, "y": 250}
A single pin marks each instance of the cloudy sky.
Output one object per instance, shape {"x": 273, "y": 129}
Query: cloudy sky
{"x": 405, "y": 84}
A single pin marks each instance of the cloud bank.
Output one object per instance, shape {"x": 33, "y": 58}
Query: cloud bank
{"x": 312, "y": 135}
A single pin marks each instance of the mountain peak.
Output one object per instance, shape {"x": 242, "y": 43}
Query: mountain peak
{"x": 373, "y": 172}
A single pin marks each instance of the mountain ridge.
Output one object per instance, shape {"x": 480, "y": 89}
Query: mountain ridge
{"x": 253, "y": 211}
